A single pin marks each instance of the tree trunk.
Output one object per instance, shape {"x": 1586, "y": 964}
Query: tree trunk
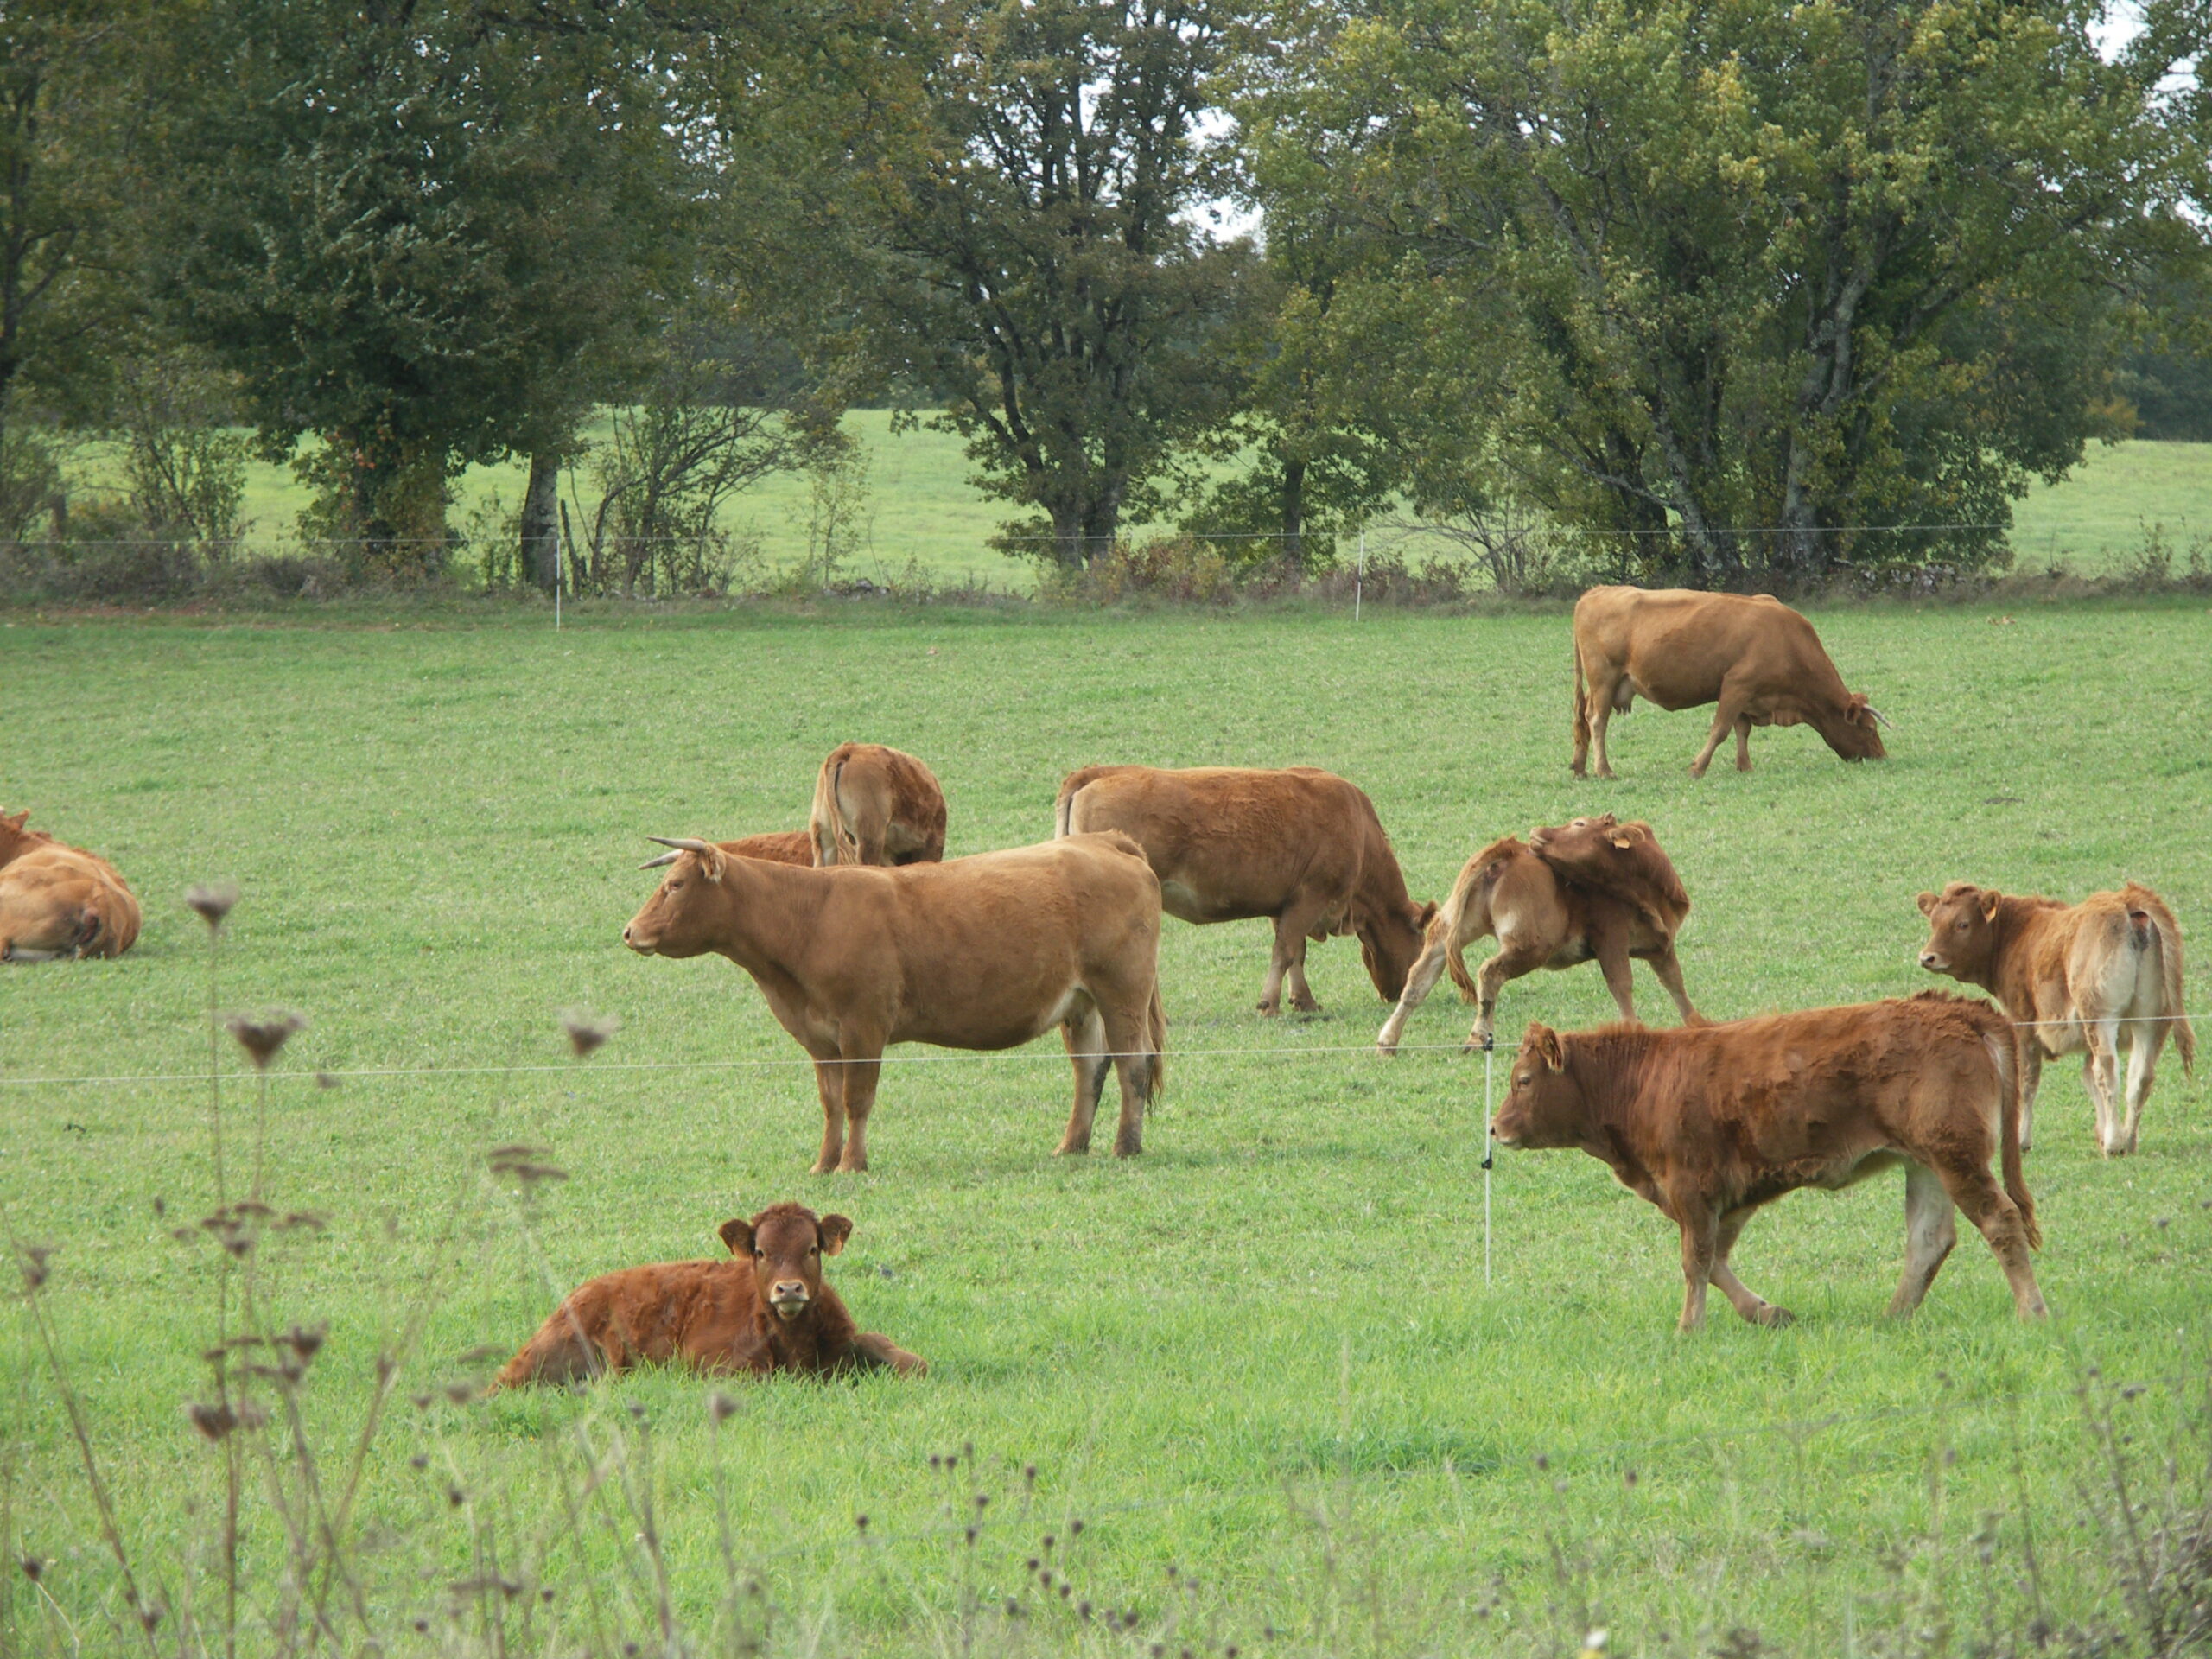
{"x": 1293, "y": 515}
{"x": 541, "y": 521}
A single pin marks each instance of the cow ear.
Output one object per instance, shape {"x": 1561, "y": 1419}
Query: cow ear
{"x": 1549, "y": 1048}
{"x": 1624, "y": 842}
{"x": 1427, "y": 915}
{"x": 833, "y": 1231}
{"x": 1989, "y": 899}
{"x": 738, "y": 1235}
{"x": 1926, "y": 902}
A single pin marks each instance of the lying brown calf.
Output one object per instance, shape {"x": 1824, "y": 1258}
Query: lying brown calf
{"x": 57, "y": 901}
{"x": 1710, "y": 1122}
{"x": 764, "y": 1310}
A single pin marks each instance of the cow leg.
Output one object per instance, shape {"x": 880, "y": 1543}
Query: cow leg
{"x": 1613, "y": 963}
{"x": 2146, "y": 1038}
{"x": 1128, "y": 1029}
{"x": 1669, "y": 971}
{"x": 2030, "y": 1052}
{"x": 1601, "y": 714}
{"x": 829, "y": 1083}
{"x": 1426, "y": 970}
{"x": 1723, "y": 721}
{"x": 1085, "y": 1034}
{"x": 1743, "y": 742}
{"x": 1752, "y": 1306}
{"x": 1289, "y": 958}
{"x": 1931, "y": 1230}
{"x": 2101, "y": 1071}
{"x": 1700, "y": 1250}
{"x": 1510, "y": 962}
{"x": 1975, "y": 1191}
{"x": 861, "y": 1075}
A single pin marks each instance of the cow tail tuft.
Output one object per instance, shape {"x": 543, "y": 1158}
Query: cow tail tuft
{"x": 1156, "y": 1028}
{"x": 2169, "y": 980}
{"x": 1063, "y": 807}
{"x": 2006, "y": 1051}
{"x": 1581, "y": 700}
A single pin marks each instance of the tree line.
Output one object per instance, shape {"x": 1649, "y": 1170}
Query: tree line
{"x": 1737, "y": 291}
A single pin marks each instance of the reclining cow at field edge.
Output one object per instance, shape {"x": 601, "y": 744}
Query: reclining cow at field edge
{"x": 1709, "y": 1123}
{"x": 59, "y": 900}
{"x": 1755, "y": 657}
{"x": 1300, "y": 847}
{"x": 983, "y": 952}
{"x": 766, "y": 1309}
{"x": 1594, "y": 889}
{"x": 873, "y": 806}
{"x": 2090, "y": 976}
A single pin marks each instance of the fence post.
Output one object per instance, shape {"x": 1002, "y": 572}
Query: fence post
{"x": 1359, "y": 578}
{"x": 557, "y": 577}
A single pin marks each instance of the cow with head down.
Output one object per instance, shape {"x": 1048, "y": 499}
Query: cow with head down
{"x": 1759, "y": 660}
{"x": 59, "y": 901}
{"x": 1596, "y": 889}
{"x": 876, "y": 806}
{"x": 1298, "y": 847}
{"x": 764, "y": 1309}
{"x": 984, "y": 952}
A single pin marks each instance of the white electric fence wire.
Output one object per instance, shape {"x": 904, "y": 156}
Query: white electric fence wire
{"x": 956, "y": 1057}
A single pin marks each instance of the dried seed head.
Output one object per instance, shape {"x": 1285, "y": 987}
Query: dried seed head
{"x": 324, "y": 1080}
{"x": 33, "y": 1567}
{"x": 219, "y": 1422}
{"x": 860, "y": 1524}
{"x": 160, "y": 1206}
{"x": 212, "y": 900}
{"x": 588, "y": 1032}
{"x": 304, "y": 1343}
{"x": 32, "y": 1259}
{"x": 525, "y": 1164}
{"x": 261, "y": 1037}
{"x": 721, "y": 1409}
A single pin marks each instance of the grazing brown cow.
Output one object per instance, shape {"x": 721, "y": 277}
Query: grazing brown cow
{"x": 766, "y": 1309}
{"x": 873, "y": 806}
{"x": 2087, "y": 976}
{"x": 1709, "y": 1123}
{"x": 1300, "y": 847}
{"x": 57, "y": 901}
{"x": 1592, "y": 889}
{"x": 1755, "y": 657}
{"x": 983, "y": 952}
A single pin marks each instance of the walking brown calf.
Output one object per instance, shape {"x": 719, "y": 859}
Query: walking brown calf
{"x": 875, "y": 806}
{"x": 1594, "y": 889}
{"x": 984, "y": 952}
{"x": 765, "y": 1309}
{"x": 2087, "y": 976}
{"x": 1710, "y": 1122}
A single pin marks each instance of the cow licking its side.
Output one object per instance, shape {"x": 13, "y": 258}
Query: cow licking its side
{"x": 1299, "y": 846}
{"x": 765, "y": 1309}
{"x": 1710, "y": 1122}
{"x": 984, "y": 952}
{"x": 1755, "y": 657}
{"x": 1595, "y": 889}
{"x": 873, "y": 806}
{"x": 2085, "y": 979}
{"x": 57, "y": 901}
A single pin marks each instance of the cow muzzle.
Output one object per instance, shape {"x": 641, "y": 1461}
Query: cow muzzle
{"x": 637, "y": 941}
{"x": 789, "y": 1299}
{"x": 1932, "y": 962}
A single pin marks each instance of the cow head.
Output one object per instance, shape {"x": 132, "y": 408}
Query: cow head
{"x": 12, "y": 833}
{"x": 1961, "y": 935}
{"x": 678, "y": 919}
{"x": 1543, "y": 1107}
{"x": 1857, "y": 736}
{"x": 1390, "y": 943}
{"x": 786, "y": 1242}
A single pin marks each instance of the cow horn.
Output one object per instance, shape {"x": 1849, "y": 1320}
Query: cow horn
{"x": 654, "y": 863}
{"x": 686, "y": 843}
{"x": 1879, "y": 715}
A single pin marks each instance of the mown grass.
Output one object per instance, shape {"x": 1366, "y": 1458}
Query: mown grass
{"x": 1262, "y": 1355}
{"x": 924, "y": 516}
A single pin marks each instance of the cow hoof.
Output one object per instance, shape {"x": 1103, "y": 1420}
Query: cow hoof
{"x": 819, "y": 1167}
{"x": 1772, "y": 1317}
{"x": 1130, "y": 1147}
{"x": 1307, "y": 1007}
{"x": 1270, "y": 1008}
{"x": 1072, "y": 1149}
{"x": 1387, "y": 1050}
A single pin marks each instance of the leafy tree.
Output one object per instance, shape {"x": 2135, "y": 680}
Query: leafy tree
{"x": 1032, "y": 252}
{"x": 429, "y": 239}
{"x": 1736, "y": 264}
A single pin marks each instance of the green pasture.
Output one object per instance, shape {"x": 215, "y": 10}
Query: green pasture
{"x": 923, "y": 516}
{"x": 1260, "y": 1363}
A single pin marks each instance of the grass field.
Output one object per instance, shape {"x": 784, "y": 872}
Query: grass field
{"x": 922, "y": 513}
{"x": 1261, "y": 1362}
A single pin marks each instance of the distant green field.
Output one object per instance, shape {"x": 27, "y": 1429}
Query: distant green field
{"x": 1262, "y": 1365}
{"x": 923, "y": 511}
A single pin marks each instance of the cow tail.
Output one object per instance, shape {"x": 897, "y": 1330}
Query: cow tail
{"x": 2169, "y": 977}
{"x": 1581, "y": 700}
{"x": 2007, "y": 1052}
{"x": 1156, "y": 1033}
{"x": 1451, "y": 919}
{"x": 1063, "y": 807}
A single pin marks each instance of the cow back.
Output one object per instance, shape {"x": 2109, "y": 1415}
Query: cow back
{"x": 1622, "y": 860}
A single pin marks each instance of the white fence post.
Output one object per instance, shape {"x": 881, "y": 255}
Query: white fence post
{"x": 556, "y": 575}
